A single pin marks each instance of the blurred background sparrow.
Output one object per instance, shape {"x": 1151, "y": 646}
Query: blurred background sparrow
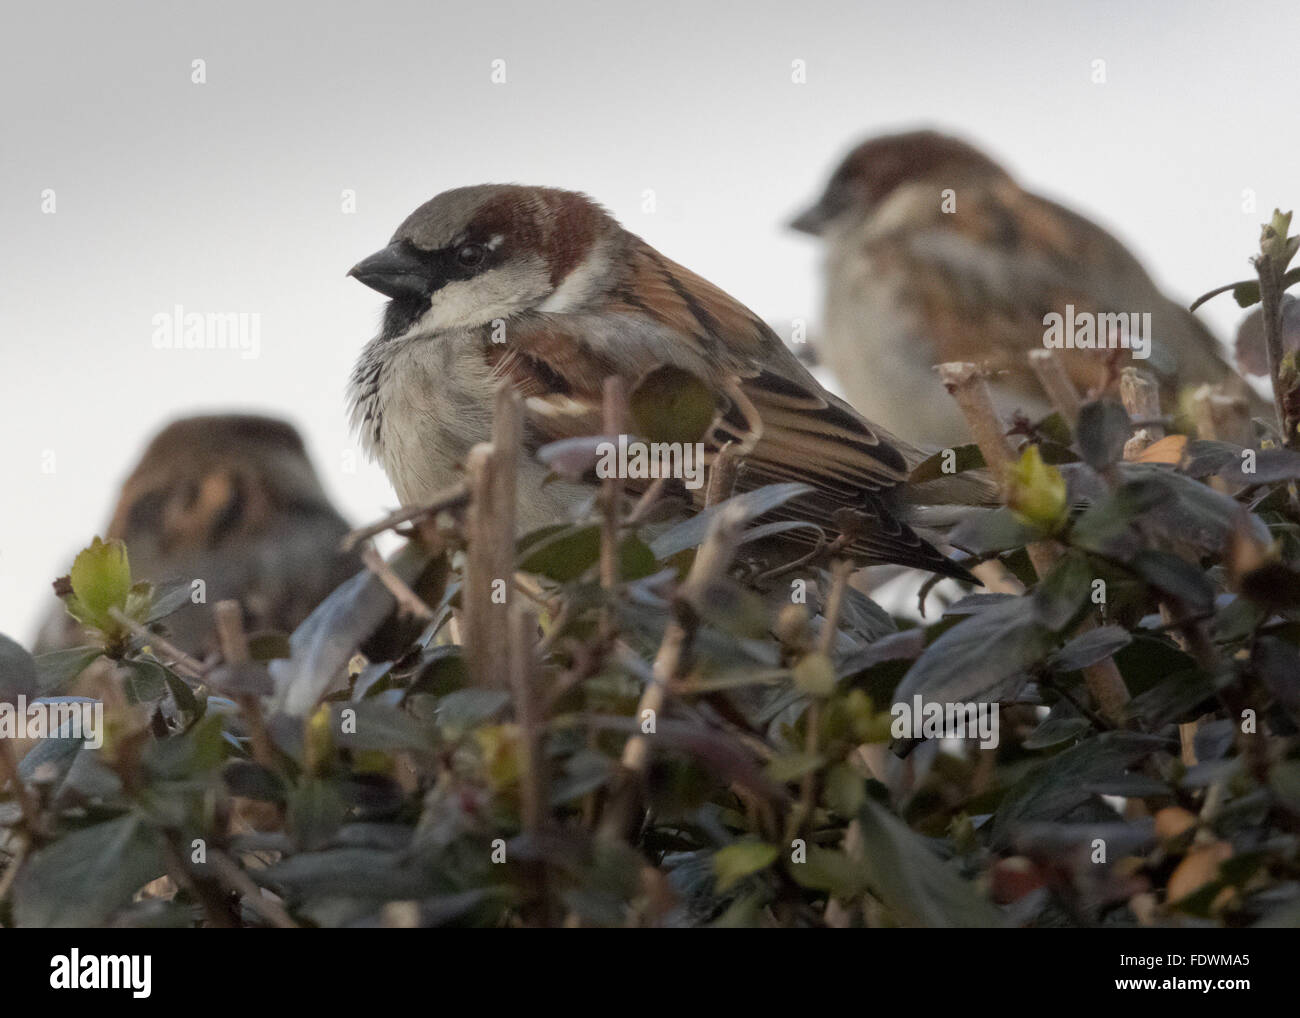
{"x": 233, "y": 501}
{"x": 1251, "y": 348}
{"x": 544, "y": 288}
{"x": 934, "y": 253}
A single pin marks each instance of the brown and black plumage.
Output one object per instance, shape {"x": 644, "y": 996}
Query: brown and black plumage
{"x": 573, "y": 298}
{"x": 935, "y": 253}
{"x": 231, "y": 501}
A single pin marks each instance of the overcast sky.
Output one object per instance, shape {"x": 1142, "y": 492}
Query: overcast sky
{"x": 226, "y": 196}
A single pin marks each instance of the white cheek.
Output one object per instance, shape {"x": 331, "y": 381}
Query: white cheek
{"x": 578, "y": 286}
{"x": 497, "y": 293}
{"x": 458, "y": 304}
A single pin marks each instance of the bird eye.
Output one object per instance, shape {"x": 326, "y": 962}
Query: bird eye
{"x": 470, "y": 255}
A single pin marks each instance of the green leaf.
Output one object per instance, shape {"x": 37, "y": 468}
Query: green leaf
{"x": 831, "y": 871}
{"x": 327, "y": 639}
{"x": 382, "y": 727}
{"x": 80, "y": 880}
{"x": 566, "y": 553}
{"x": 671, "y": 405}
{"x": 962, "y": 458}
{"x": 734, "y": 863}
{"x": 101, "y": 580}
{"x": 1093, "y": 646}
{"x": 166, "y": 600}
{"x": 844, "y": 790}
{"x": 58, "y": 669}
{"x": 316, "y": 809}
{"x": 1061, "y": 784}
{"x": 145, "y": 681}
{"x": 1103, "y": 428}
{"x": 1058, "y": 598}
{"x": 253, "y": 781}
{"x": 465, "y": 708}
{"x": 1176, "y": 577}
{"x": 690, "y": 533}
{"x": 917, "y": 887}
{"x": 992, "y": 530}
{"x": 1054, "y": 731}
{"x": 792, "y": 766}
{"x": 19, "y": 675}
{"x": 1036, "y": 492}
{"x": 815, "y": 675}
{"x": 974, "y": 658}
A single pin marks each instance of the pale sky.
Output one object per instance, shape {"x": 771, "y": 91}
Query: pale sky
{"x": 227, "y": 196}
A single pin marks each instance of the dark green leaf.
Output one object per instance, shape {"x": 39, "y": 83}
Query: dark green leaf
{"x": 1093, "y": 646}
{"x": 80, "y": 880}
{"x": 1176, "y": 577}
{"x": 58, "y": 669}
{"x": 962, "y": 457}
{"x": 1052, "y": 790}
{"x": 917, "y": 887}
{"x": 145, "y": 681}
{"x": 18, "y": 672}
{"x": 690, "y": 533}
{"x": 1103, "y": 428}
{"x": 376, "y": 725}
{"x": 975, "y": 657}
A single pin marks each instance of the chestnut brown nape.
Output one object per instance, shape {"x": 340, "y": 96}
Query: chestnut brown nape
{"x": 223, "y": 431}
{"x": 879, "y": 165}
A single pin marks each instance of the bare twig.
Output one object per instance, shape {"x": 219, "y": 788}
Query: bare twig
{"x": 647, "y": 500}
{"x": 490, "y": 546}
{"x": 234, "y": 649}
{"x": 26, "y": 800}
{"x": 722, "y": 475}
{"x": 453, "y": 497}
{"x": 180, "y": 662}
{"x": 1056, "y": 383}
{"x": 840, "y": 573}
{"x": 408, "y": 600}
{"x": 670, "y": 664}
{"x": 1270, "y": 296}
{"x": 970, "y": 391}
{"x": 15, "y": 863}
{"x": 232, "y": 876}
{"x": 534, "y": 795}
{"x": 1222, "y": 417}
{"x": 1141, "y": 398}
{"x": 614, "y": 418}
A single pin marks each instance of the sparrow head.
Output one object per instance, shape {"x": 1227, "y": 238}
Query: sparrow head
{"x": 869, "y": 173}
{"x": 475, "y": 254}
{"x": 206, "y": 481}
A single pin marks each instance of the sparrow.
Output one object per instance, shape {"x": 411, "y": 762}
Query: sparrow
{"x": 1251, "y": 347}
{"x": 934, "y": 253}
{"x": 234, "y": 502}
{"x": 543, "y": 289}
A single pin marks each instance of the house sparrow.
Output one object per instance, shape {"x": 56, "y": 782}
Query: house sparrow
{"x": 1252, "y": 348}
{"x": 234, "y": 502}
{"x": 544, "y": 288}
{"x": 934, "y": 253}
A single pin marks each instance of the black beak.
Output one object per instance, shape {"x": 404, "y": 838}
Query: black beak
{"x": 396, "y": 272}
{"x": 811, "y": 220}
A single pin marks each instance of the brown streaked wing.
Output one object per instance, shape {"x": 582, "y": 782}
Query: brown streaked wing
{"x": 691, "y": 306}
{"x": 980, "y": 279}
{"x": 791, "y": 429}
